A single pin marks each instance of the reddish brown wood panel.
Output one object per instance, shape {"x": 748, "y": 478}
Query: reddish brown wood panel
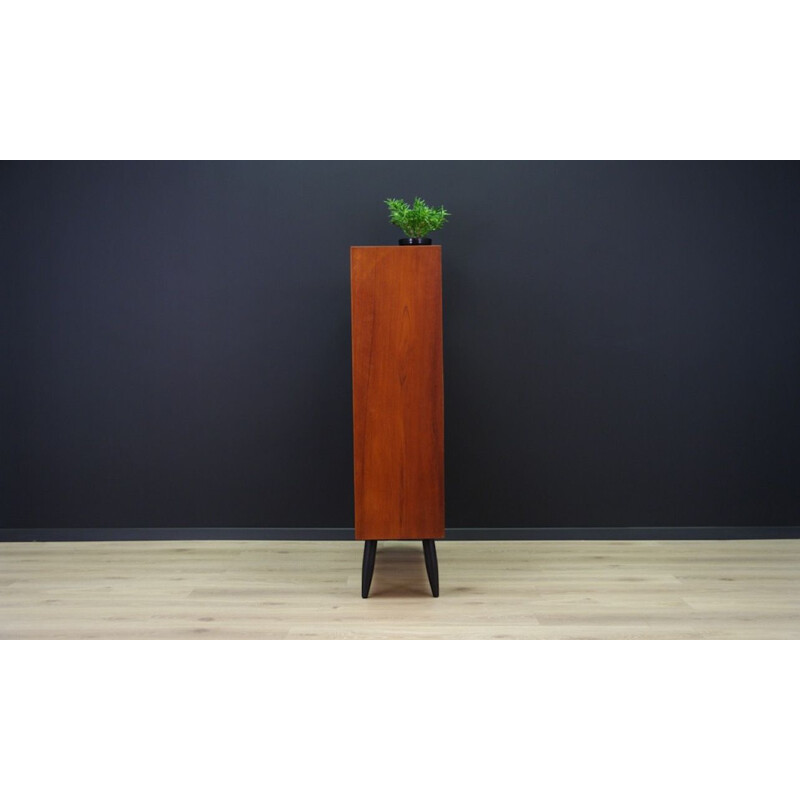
{"x": 398, "y": 392}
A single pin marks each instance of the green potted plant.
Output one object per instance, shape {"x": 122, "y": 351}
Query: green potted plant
{"x": 417, "y": 220}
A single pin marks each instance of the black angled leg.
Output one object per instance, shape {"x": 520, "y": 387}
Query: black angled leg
{"x": 431, "y": 564}
{"x": 368, "y": 565}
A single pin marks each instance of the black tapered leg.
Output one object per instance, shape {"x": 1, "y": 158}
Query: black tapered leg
{"x": 368, "y": 565}
{"x": 431, "y": 564}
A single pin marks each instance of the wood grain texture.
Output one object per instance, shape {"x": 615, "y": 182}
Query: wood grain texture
{"x": 398, "y": 392}
{"x": 744, "y": 589}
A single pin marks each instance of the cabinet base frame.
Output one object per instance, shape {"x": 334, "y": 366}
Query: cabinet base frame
{"x": 368, "y": 565}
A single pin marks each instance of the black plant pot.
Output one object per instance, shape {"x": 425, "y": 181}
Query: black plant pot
{"x": 417, "y": 240}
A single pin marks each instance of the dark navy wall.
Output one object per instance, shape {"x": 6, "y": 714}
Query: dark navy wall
{"x": 622, "y": 341}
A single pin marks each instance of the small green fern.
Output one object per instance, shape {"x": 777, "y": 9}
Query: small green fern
{"x": 416, "y": 220}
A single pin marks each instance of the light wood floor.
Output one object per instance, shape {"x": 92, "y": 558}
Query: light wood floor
{"x": 489, "y": 590}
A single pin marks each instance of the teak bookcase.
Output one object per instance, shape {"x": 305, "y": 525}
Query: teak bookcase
{"x": 398, "y": 399}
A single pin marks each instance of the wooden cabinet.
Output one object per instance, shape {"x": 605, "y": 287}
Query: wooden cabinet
{"x": 398, "y": 392}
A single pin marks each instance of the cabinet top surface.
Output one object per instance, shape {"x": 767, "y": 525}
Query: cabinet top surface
{"x": 396, "y": 247}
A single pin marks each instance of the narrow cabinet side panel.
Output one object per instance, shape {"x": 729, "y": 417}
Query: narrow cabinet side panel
{"x": 398, "y": 392}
